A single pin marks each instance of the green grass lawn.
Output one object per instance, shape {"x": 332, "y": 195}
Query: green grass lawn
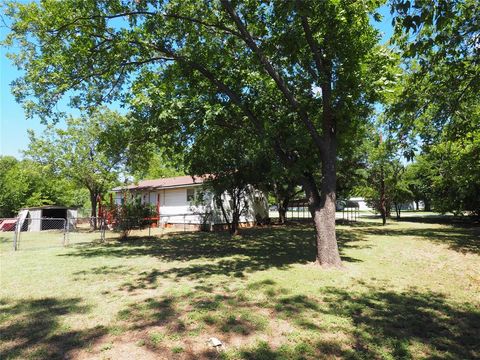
{"x": 407, "y": 290}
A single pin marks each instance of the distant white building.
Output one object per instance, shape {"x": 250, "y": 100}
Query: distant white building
{"x": 176, "y": 200}
{"x": 362, "y": 204}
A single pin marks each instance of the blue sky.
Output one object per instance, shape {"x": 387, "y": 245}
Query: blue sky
{"x": 14, "y": 125}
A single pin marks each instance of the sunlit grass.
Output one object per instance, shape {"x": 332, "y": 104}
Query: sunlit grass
{"x": 407, "y": 290}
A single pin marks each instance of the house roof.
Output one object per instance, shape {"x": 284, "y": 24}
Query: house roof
{"x": 164, "y": 183}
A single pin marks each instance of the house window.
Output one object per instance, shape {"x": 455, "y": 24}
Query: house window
{"x": 190, "y": 194}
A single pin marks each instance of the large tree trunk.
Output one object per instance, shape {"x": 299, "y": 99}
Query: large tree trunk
{"x": 323, "y": 205}
{"x": 327, "y": 247}
{"x": 322, "y": 208}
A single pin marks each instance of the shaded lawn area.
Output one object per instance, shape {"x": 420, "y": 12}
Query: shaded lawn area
{"x": 408, "y": 290}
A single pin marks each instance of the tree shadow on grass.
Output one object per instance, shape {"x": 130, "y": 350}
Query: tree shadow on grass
{"x": 386, "y": 324}
{"x": 6, "y": 241}
{"x": 150, "y": 312}
{"x": 6, "y": 237}
{"x": 32, "y": 329}
{"x": 189, "y": 320}
{"x": 464, "y": 240}
{"x": 373, "y": 323}
{"x": 398, "y": 324}
{"x": 457, "y": 221}
{"x": 220, "y": 254}
{"x": 107, "y": 272}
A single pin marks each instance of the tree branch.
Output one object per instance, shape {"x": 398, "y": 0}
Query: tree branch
{"x": 142, "y": 62}
{"x": 203, "y": 23}
{"x": 316, "y": 51}
{"x": 323, "y": 70}
{"x": 150, "y": 13}
{"x": 105, "y": 16}
{"x": 281, "y": 84}
{"x": 224, "y": 88}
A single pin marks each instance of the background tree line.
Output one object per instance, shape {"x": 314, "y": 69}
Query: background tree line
{"x": 26, "y": 183}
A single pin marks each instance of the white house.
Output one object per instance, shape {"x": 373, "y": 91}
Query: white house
{"x": 177, "y": 201}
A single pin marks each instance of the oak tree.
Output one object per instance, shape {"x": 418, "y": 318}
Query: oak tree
{"x": 317, "y": 65}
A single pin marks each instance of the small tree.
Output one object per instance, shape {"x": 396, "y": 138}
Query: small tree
{"x": 132, "y": 214}
{"x": 386, "y": 185}
{"x": 439, "y": 99}
{"x": 234, "y": 191}
{"x": 281, "y": 185}
{"x": 417, "y": 175}
{"x": 284, "y": 192}
{"x": 83, "y": 152}
{"x": 374, "y": 190}
{"x": 155, "y": 165}
{"x": 452, "y": 170}
{"x": 398, "y": 187}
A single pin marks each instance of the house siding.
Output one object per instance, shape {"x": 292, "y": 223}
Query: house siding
{"x": 175, "y": 209}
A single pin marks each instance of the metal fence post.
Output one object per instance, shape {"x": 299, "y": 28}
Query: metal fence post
{"x": 65, "y": 232}
{"x": 15, "y": 237}
{"x": 103, "y": 225}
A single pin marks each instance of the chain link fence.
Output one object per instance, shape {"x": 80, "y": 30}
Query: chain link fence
{"x": 40, "y": 233}
{"x": 32, "y": 233}
{"x": 83, "y": 230}
{"x": 25, "y": 233}
{"x": 7, "y": 231}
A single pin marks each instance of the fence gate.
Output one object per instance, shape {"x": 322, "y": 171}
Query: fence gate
{"x": 38, "y": 233}
{"x": 85, "y": 230}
